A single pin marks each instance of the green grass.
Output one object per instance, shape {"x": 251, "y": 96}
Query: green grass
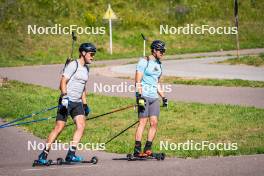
{"x": 213, "y": 82}
{"x": 181, "y": 122}
{"x": 246, "y": 60}
{"x": 19, "y": 48}
{"x": 208, "y": 82}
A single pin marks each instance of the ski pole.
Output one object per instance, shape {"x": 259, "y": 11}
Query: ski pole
{"x": 130, "y": 126}
{"x": 74, "y": 38}
{"x": 69, "y": 59}
{"x": 144, "y": 45}
{"x": 28, "y": 122}
{"x": 29, "y": 116}
{"x": 38, "y": 120}
{"x": 107, "y": 113}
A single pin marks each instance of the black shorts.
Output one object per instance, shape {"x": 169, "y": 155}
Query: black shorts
{"x": 74, "y": 109}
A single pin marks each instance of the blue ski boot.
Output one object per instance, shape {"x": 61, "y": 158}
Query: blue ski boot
{"x": 73, "y": 158}
{"x": 42, "y": 160}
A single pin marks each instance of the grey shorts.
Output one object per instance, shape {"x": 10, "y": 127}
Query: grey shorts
{"x": 74, "y": 109}
{"x": 152, "y": 108}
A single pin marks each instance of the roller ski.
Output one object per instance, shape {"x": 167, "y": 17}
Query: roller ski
{"x": 145, "y": 156}
{"x": 61, "y": 161}
{"x": 69, "y": 160}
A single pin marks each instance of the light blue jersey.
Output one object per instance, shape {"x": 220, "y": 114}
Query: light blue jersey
{"x": 151, "y": 70}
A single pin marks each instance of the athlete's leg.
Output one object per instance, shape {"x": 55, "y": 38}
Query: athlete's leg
{"x": 61, "y": 119}
{"x": 154, "y": 111}
{"x": 55, "y": 132}
{"x": 42, "y": 159}
{"x": 140, "y": 128}
{"x": 153, "y": 127}
{"x": 139, "y": 133}
{"x": 151, "y": 134}
{"x": 80, "y": 126}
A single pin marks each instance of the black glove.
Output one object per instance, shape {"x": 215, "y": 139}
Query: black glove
{"x": 65, "y": 101}
{"x": 140, "y": 101}
{"x": 62, "y": 109}
{"x": 165, "y": 102}
{"x": 86, "y": 109}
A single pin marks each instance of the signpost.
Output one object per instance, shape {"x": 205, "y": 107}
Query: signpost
{"x": 110, "y": 15}
{"x": 236, "y": 23}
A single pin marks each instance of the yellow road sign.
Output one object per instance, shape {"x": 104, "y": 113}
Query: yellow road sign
{"x": 110, "y": 14}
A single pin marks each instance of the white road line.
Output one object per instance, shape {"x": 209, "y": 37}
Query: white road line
{"x": 53, "y": 168}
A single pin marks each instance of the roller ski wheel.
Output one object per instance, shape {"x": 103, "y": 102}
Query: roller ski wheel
{"x": 159, "y": 156}
{"x": 130, "y": 157}
{"x": 94, "y": 160}
{"x": 163, "y": 156}
{"x": 35, "y": 163}
{"x": 60, "y": 161}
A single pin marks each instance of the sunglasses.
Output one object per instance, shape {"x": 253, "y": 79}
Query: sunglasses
{"x": 162, "y": 51}
{"x": 92, "y": 54}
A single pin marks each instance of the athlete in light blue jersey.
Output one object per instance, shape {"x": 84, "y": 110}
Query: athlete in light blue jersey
{"x": 148, "y": 73}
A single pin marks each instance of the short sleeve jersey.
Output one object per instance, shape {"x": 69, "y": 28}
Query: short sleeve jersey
{"x": 151, "y": 70}
{"x": 77, "y": 82}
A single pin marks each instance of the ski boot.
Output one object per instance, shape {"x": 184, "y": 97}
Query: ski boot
{"x": 42, "y": 160}
{"x": 148, "y": 153}
{"x": 137, "y": 152}
{"x": 139, "y": 155}
{"x": 73, "y": 158}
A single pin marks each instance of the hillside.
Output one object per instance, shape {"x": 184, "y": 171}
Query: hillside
{"x": 134, "y": 17}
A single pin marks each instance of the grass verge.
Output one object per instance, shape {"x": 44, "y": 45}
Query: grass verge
{"x": 256, "y": 61}
{"x": 213, "y": 82}
{"x": 21, "y": 47}
{"x": 208, "y": 82}
{"x": 179, "y": 123}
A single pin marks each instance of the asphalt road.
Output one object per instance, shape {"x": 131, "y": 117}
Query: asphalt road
{"x": 49, "y": 75}
{"x": 203, "y": 68}
{"x": 16, "y": 159}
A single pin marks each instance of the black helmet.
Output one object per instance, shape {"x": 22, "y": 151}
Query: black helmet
{"x": 87, "y": 47}
{"x": 158, "y": 45}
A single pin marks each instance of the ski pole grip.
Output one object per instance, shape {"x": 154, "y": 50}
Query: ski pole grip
{"x": 74, "y": 38}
